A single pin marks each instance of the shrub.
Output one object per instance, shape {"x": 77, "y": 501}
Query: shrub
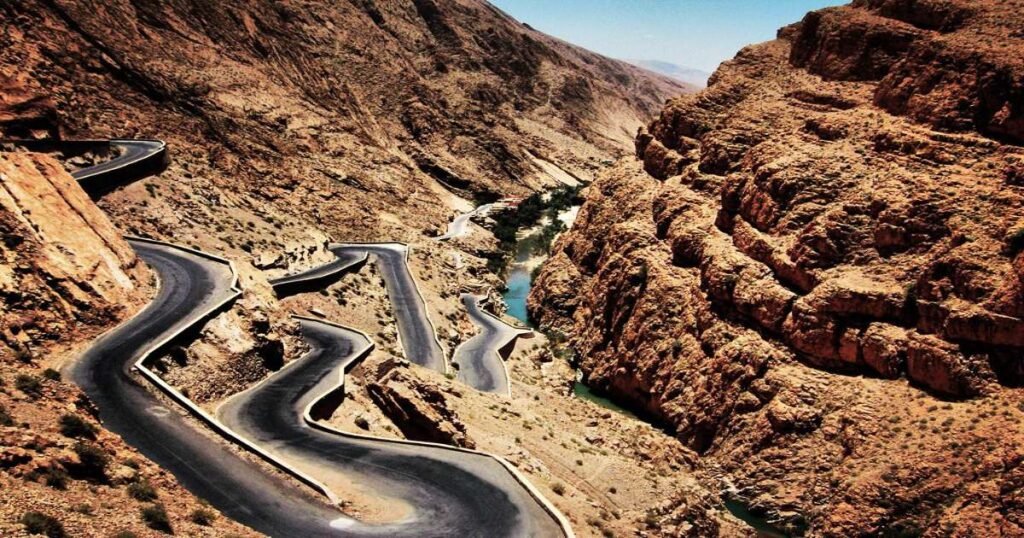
{"x": 51, "y": 374}
{"x": 558, "y": 488}
{"x": 23, "y": 355}
{"x": 5, "y": 418}
{"x": 142, "y": 491}
{"x": 202, "y": 516}
{"x": 82, "y": 508}
{"x": 1015, "y": 241}
{"x": 40, "y": 523}
{"x": 155, "y": 517}
{"x": 75, "y": 427}
{"x": 29, "y": 384}
{"x": 56, "y": 478}
{"x": 93, "y": 461}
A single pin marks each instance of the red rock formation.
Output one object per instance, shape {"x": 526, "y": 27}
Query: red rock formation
{"x": 64, "y": 266}
{"x": 836, "y": 211}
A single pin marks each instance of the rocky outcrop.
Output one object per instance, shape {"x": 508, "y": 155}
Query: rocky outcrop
{"x": 800, "y": 255}
{"x": 949, "y": 64}
{"x": 65, "y": 267}
{"x": 419, "y": 409}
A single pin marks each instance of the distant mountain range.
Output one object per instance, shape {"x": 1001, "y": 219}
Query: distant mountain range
{"x": 688, "y": 75}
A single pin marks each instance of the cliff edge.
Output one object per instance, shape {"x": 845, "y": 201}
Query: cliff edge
{"x": 812, "y": 271}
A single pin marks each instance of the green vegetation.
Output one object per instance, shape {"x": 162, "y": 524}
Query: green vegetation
{"x": 528, "y": 213}
{"x": 155, "y": 517}
{"x": 142, "y": 491}
{"x": 29, "y": 384}
{"x": 40, "y": 523}
{"x": 202, "y": 516}
{"x": 75, "y": 427}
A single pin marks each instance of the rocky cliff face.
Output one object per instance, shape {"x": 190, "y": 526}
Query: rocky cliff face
{"x": 65, "y": 268}
{"x": 812, "y": 272}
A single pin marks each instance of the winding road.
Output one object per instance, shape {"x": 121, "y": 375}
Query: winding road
{"x": 449, "y": 491}
{"x": 480, "y": 359}
{"x": 415, "y": 330}
{"x": 190, "y": 285}
{"x": 457, "y": 227}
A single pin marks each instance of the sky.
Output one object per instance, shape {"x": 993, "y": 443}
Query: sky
{"x": 691, "y": 33}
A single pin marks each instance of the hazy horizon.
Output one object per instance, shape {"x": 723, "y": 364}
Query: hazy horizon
{"x": 698, "y": 34}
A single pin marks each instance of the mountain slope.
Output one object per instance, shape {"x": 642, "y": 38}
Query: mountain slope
{"x": 378, "y": 90}
{"x": 689, "y": 75}
{"x": 813, "y": 271}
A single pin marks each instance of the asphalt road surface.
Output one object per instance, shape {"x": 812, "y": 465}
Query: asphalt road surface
{"x": 320, "y": 276}
{"x": 189, "y": 284}
{"x": 457, "y": 227}
{"x": 481, "y": 364}
{"x": 132, "y": 151}
{"x": 415, "y": 330}
{"x": 450, "y": 492}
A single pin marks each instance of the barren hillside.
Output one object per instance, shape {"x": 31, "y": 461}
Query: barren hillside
{"x": 288, "y": 123}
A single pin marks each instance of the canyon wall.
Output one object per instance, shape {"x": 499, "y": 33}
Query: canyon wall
{"x": 812, "y": 271}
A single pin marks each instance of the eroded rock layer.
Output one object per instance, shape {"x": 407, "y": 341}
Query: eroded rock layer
{"x": 64, "y": 265}
{"x": 812, "y": 272}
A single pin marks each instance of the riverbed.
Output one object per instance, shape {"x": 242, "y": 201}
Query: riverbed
{"x": 519, "y": 280}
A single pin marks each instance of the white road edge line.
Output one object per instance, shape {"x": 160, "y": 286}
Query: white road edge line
{"x": 191, "y": 406}
{"x": 516, "y": 474}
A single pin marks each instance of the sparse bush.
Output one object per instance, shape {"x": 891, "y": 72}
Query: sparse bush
{"x": 92, "y": 462}
{"x": 142, "y": 491}
{"x": 202, "y": 516}
{"x": 75, "y": 427}
{"x": 29, "y": 384}
{"x": 5, "y": 418}
{"x": 155, "y": 517}
{"x": 1015, "y": 241}
{"x": 82, "y": 508}
{"x": 40, "y": 523}
{"x": 51, "y": 374}
{"x": 558, "y": 488}
{"x": 23, "y": 355}
{"x": 56, "y": 478}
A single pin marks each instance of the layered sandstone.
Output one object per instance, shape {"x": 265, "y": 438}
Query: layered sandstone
{"x": 65, "y": 266}
{"x": 808, "y": 252}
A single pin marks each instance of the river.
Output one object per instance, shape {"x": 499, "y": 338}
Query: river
{"x": 518, "y": 282}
